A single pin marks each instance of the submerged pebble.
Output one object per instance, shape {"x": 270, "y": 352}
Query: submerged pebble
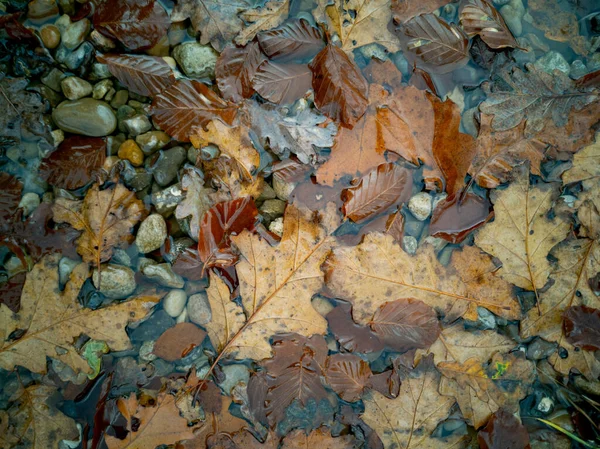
{"x": 86, "y": 116}
{"x": 174, "y": 303}
{"x": 115, "y": 281}
{"x": 152, "y": 233}
{"x": 198, "y": 309}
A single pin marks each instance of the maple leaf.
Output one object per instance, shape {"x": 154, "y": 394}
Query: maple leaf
{"x": 358, "y": 22}
{"x": 408, "y": 421}
{"x": 50, "y": 321}
{"x": 480, "y": 17}
{"x": 378, "y": 270}
{"x": 271, "y": 15}
{"x": 106, "y": 218}
{"x": 481, "y": 390}
{"x": 227, "y": 318}
{"x": 522, "y": 235}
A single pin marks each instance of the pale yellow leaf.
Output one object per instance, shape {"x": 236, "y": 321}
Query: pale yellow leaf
{"x": 227, "y": 317}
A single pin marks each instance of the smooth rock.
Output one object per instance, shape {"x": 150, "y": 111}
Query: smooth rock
{"x": 50, "y": 36}
{"x": 545, "y": 405}
{"x": 101, "y": 88}
{"x": 53, "y": 79}
{"x": 163, "y": 274}
{"x": 210, "y": 152}
{"x": 75, "y": 88}
{"x": 116, "y": 281}
{"x": 196, "y": 60}
{"x": 29, "y": 202}
{"x": 39, "y": 10}
{"x": 75, "y": 33}
{"x": 58, "y": 136}
{"x": 146, "y": 353}
{"x": 151, "y": 234}
{"x": 198, "y": 309}
{"x": 166, "y": 167}
{"x": 267, "y": 193}
{"x": 65, "y": 268}
{"x": 153, "y": 327}
{"x": 137, "y": 125}
{"x": 485, "y": 319}
{"x": 101, "y": 42}
{"x": 136, "y": 178}
{"x": 540, "y": 349}
{"x": 129, "y": 150}
{"x": 79, "y": 57}
{"x": 100, "y": 71}
{"x": 410, "y": 244}
{"x": 552, "y": 61}
{"x": 272, "y": 209}
{"x": 166, "y": 200}
{"x": 183, "y": 317}
{"x": 420, "y": 206}
{"x": 152, "y": 141}
{"x": 174, "y": 303}
{"x": 276, "y": 226}
{"x": 87, "y": 117}
{"x": 283, "y": 189}
{"x": 119, "y": 99}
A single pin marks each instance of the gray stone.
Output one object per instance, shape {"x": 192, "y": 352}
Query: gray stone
{"x": 545, "y": 405}
{"x": 210, "y": 152}
{"x": 100, "y": 71}
{"x": 283, "y": 189}
{"x": 75, "y": 33}
{"x": 272, "y": 209}
{"x": 196, "y": 60}
{"x": 121, "y": 257}
{"x": 540, "y": 349}
{"x": 29, "y": 202}
{"x": 198, "y": 309}
{"x": 65, "y": 268}
{"x": 153, "y": 327}
{"x": 79, "y": 57}
{"x": 578, "y": 69}
{"x": 373, "y": 50}
{"x": 267, "y": 193}
{"x": 152, "y": 141}
{"x": 119, "y": 99}
{"x": 151, "y": 234}
{"x": 123, "y": 113}
{"x": 174, "y": 302}
{"x": 87, "y": 117}
{"x": 552, "y": 61}
{"x": 52, "y": 79}
{"x": 136, "y": 125}
{"x": 163, "y": 275}
{"x": 136, "y": 178}
{"x": 234, "y": 374}
{"x": 146, "y": 353}
{"x": 110, "y": 94}
{"x": 409, "y": 244}
{"x": 167, "y": 200}
{"x": 420, "y": 206}
{"x": 513, "y": 18}
{"x": 116, "y": 281}
{"x": 412, "y": 226}
{"x": 276, "y": 226}
{"x": 75, "y": 88}
{"x": 485, "y": 319}
{"x": 100, "y": 89}
{"x": 166, "y": 167}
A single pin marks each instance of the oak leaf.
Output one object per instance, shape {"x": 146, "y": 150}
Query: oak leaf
{"x": 282, "y": 83}
{"x": 480, "y": 17}
{"x": 50, "y": 321}
{"x": 348, "y": 375}
{"x": 295, "y": 40}
{"x": 235, "y": 70}
{"x": 271, "y": 15}
{"x": 227, "y": 318}
{"x": 106, "y": 218}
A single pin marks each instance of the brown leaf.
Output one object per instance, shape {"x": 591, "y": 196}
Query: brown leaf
{"x": 271, "y": 15}
{"x": 187, "y": 105}
{"x": 138, "y": 24}
{"x": 405, "y": 324}
{"x": 106, "y": 218}
{"x": 296, "y": 40}
{"x": 189, "y": 265}
{"x": 176, "y": 342}
{"x": 227, "y": 318}
{"x": 579, "y": 131}
{"x": 582, "y": 327}
{"x": 341, "y": 91}
{"x": 73, "y": 164}
{"x": 455, "y": 218}
{"x": 386, "y": 383}
{"x": 503, "y": 430}
{"x": 10, "y": 292}
{"x": 480, "y": 17}
{"x": 141, "y": 74}
{"x": 348, "y": 375}
{"x": 404, "y": 10}
{"x": 389, "y": 184}
{"x": 235, "y": 70}
{"x": 351, "y": 336}
{"x": 394, "y": 226}
{"x": 319, "y": 438}
{"x": 557, "y": 23}
{"x": 282, "y": 83}
{"x": 436, "y": 44}
{"x": 10, "y": 197}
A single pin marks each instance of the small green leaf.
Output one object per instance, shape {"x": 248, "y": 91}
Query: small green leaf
{"x": 92, "y": 352}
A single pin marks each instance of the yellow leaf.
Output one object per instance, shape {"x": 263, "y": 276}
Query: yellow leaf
{"x": 227, "y": 318}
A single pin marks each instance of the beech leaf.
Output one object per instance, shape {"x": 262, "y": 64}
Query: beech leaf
{"x": 480, "y": 17}
{"x": 295, "y": 40}
{"x": 282, "y": 83}
{"x": 351, "y": 336}
{"x": 348, "y": 375}
{"x": 453, "y": 219}
{"x": 404, "y": 10}
{"x": 235, "y": 70}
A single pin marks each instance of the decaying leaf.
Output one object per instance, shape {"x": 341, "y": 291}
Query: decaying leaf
{"x": 351, "y": 336}
{"x": 586, "y": 165}
{"x": 582, "y": 327}
{"x": 177, "y": 341}
{"x": 348, "y": 375}
{"x": 235, "y": 70}
{"x": 271, "y": 15}
{"x": 282, "y": 83}
{"x": 49, "y": 321}
{"x": 319, "y": 438}
{"x": 10, "y": 196}
{"x": 227, "y": 318}
{"x": 404, "y": 10}
{"x": 294, "y": 40}
{"x": 480, "y": 17}
{"x": 454, "y": 218}
{"x": 106, "y": 218}
{"x": 503, "y": 430}
{"x": 557, "y": 23}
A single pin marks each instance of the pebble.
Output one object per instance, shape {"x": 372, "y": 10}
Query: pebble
{"x": 183, "y": 317}
{"x": 210, "y": 152}
{"x": 420, "y": 206}
{"x": 485, "y": 319}
{"x": 75, "y": 88}
{"x": 540, "y": 349}
{"x": 50, "y": 36}
{"x": 272, "y": 209}
{"x": 410, "y": 244}
{"x": 283, "y": 189}
{"x": 198, "y": 309}
{"x": 116, "y": 281}
{"x": 129, "y": 150}
{"x": 166, "y": 200}
{"x": 87, "y": 117}
{"x": 146, "y": 353}
{"x": 79, "y": 57}
{"x": 136, "y": 125}
{"x": 412, "y": 226}
{"x": 153, "y": 327}
{"x": 58, "y": 135}
{"x": 100, "y": 71}
{"x": 267, "y": 193}
{"x": 39, "y": 10}
{"x": 152, "y": 141}
{"x": 553, "y": 60}
{"x": 151, "y": 234}
{"x": 196, "y": 60}
{"x": 29, "y": 203}
{"x": 101, "y": 88}
{"x": 119, "y": 99}
{"x": 174, "y": 302}
{"x": 75, "y": 33}
{"x": 53, "y": 79}
{"x": 101, "y": 42}
{"x": 545, "y": 405}
{"x": 135, "y": 178}
{"x": 163, "y": 275}
{"x": 192, "y": 154}
{"x": 276, "y": 226}
{"x": 166, "y": 167}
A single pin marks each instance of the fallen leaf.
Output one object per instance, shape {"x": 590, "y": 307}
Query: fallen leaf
{"x": 231, "y": 179}
{"x": 216, "y": 21}
{"x": 150, "y": 426}
{"x": 358, "y": 22}
{"x": 582, "y": 327}
{"x": 295, "y": 40}
{"x": 378, "y": 270}
{"x": 321, "y": 438}
{"x": 177, "y": 341}
{"x": 387, "y": 383}
{"x": 481, "y": 390}
{"x": 138, "y": 24}
{"x": 480, "y": 17}
{"x": 389, "y": 184}
{"x": 341, "y": 91}
{"x": 187, "y": 105}
{"x": 557, "y": 23}
{"x": 404, "y": 10}
{"x": 409, "y": 420}
{"x": 141, "y": 74}
{"x": 189, "y": 265}
{"x": 235, "y": 69}
{"x": 348, "y": 375}
{"x": 586, "y": 165}
{"x": 534, "y": 95}
{"x": 10, "y": 292}
{"x": 455, "y": 218}
{"x": 394, "y": 226}
{"x": 522, "y": 235}
{"x": 227, "y": 318}
{"x": 282, "y": 83}
{"x": 503, "y": 430}
{"x": 271, "y": 15}
{"x": 106, "y": 218}
{"x": 10, "y": 197}
{"x": 74, "y": 162}
{"x": 351, "y": 336}
{"x": 49, "y": 321}
{"x": 437, "y": 45}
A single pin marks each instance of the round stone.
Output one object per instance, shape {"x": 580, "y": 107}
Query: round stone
{"x": 152, "y": 233}
{"x": 116, "y": 281}
{"x": 39, "y": 10}
{"x": 196, "y": 60}
{"x": 420, "y": 206}
{"x": 75, "y": 88}
{"x": 50, "y": 36}
{"x": 129, "y": 150}
{"x": 198, "y": 309}
{"x": 87, "y": 117}
{"x": 75, "y": 33}
{"x": 174, "y": 302}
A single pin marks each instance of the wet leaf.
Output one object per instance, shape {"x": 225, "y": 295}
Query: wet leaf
{"x": 138, "y": 24}
{"x": 271, "y": 15}
{"x": 405, "y": 324}
{"x": 235, "y": 70}
{"x": 503, "y": 430}
{"x": 586, "y": 165}
{"x": 10, "y": 292}
{"x": 189, "y": 265}
{"x": 436, "y": 44}
{"x": 227, "y": 318}
{"x": 454, "y": 219}
{"x": 74, "y": 163}
{"x": 106, "y": 218}
{"x": 218, "y": 224}
{"x": 141, "y": 74}
{"x": 351, "y": 336}
{"x": 176, "y": 342}
{"x": 534, "y": 95}
{"x": 51, "y": 320}
{"x": 348, "y": 375}
{"x": 387, "y": 383}
{"x": 319, "y": 438}
{"x": 582, "y": 327}
{"x": 10, "y": 197}
{"x": 389, "y": 184}
{"x": 295, "y": 40}
{"x": 282, "y": 83}
{"x": 341, "y": 91}
{"x": 187, "y": 105}
{"x": 404, "y": 10}
{"x": 480, "y": 17}
{"x": 557, "y": 23}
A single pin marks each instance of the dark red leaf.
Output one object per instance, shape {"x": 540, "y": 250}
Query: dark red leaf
{"x": 138, "y": 24}
{"x": 257, "y": 393}
{"x": 15, "y": 29}
{"x": 235, "y": 70}
{"x": 503, "y": 431}
{"x": 73, "y": 164}
{"x": 10, "y": 197}
{"x": 189, "y": 265}
{"x": 394, "y": 226}
{"x": 351, "y": 336}
{"x": 582, "y": 327}
{"x": 10, "y": 292}
{"x": 296, "y": 40}
{"x": 282, "y": 83}
{"x": 176, "y": 342}
{"x": 386, "y": 383}
{"x": 348, "y": 375}
{"x": 455, "y": 218}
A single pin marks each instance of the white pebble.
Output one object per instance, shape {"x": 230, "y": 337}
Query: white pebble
{"x": 174, "y": 302}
